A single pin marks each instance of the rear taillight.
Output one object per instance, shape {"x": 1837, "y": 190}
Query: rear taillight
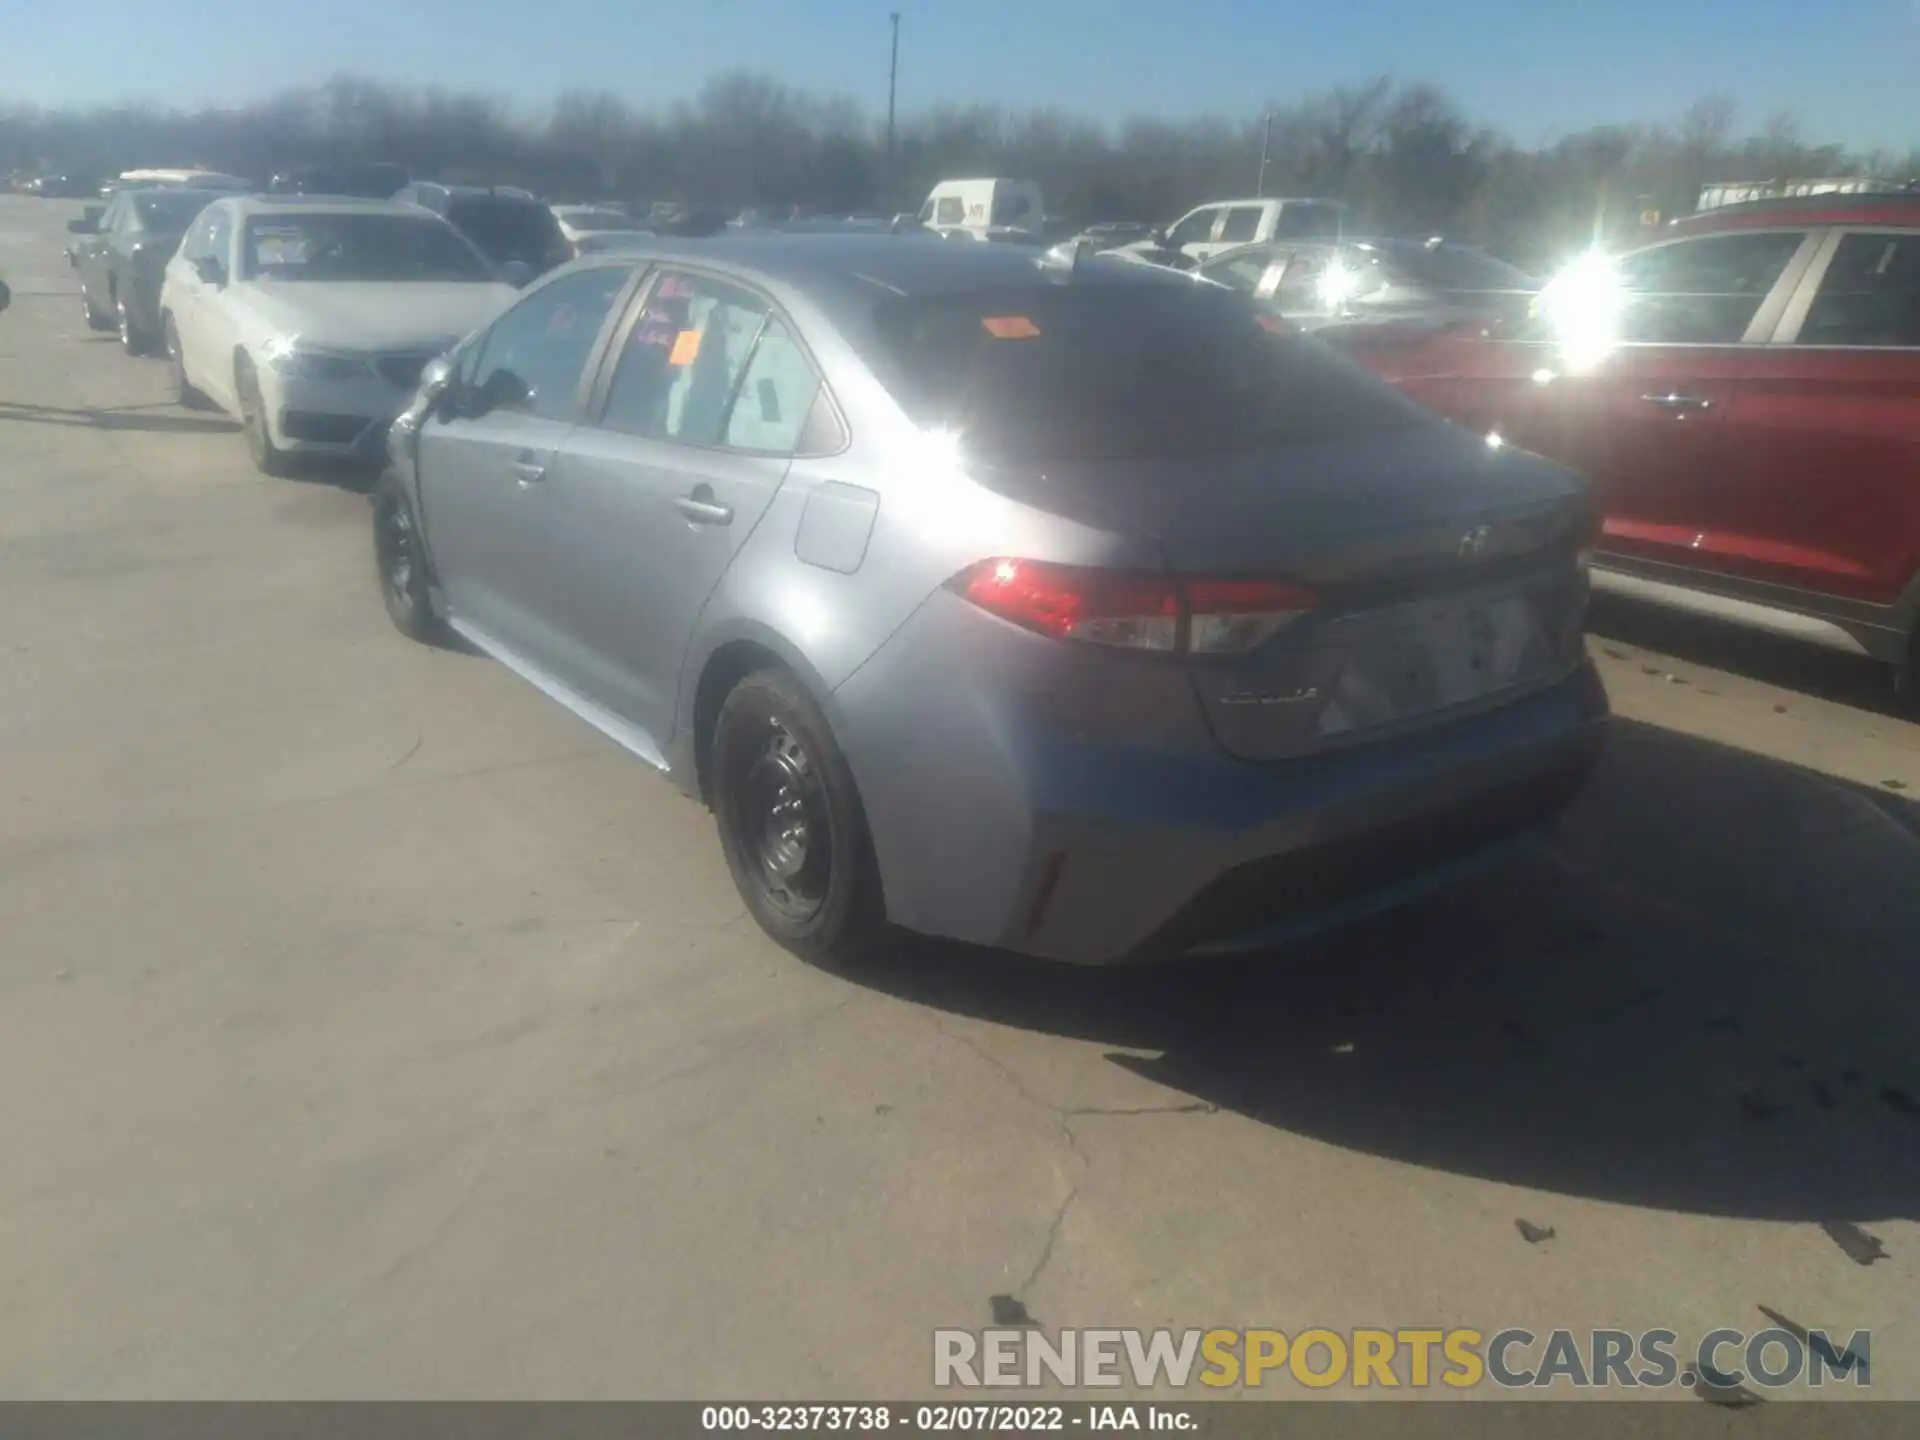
{"x": 1230, "y": 617}
{"x": 1166, "y": 614}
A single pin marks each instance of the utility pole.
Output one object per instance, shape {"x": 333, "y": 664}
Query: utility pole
{"x": 893, "y": 76}
{"x": 1266, "y": 143}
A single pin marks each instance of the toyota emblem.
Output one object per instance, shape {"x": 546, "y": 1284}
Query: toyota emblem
{"x": 1473, "y": 544}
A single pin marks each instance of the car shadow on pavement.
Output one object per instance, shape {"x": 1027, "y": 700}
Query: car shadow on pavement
{"x": 1698, "y": 992}
{"x": 132, "y": 417}
{"x": 1790, "y": 664}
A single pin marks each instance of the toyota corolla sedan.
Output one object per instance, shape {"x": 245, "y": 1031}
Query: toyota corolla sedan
{"x": 309, "y": 320}
{"x": 1040, "y": 601}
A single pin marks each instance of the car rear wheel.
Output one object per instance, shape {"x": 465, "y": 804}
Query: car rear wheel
{"x": 400, "y": 558}
{"x": 791, "y": 824}
{"x": 184, "y": 394}
{"x": 268, "y": 458}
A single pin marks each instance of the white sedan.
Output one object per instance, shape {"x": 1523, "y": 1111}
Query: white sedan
{"x": 308, "y": 320}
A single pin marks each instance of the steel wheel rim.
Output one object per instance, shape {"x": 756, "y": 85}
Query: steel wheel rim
{"x": 782, "y": 821}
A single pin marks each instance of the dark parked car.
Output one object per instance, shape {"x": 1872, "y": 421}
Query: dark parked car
{"x": 1060, "y": 607}
{"x": 1350, "y": 289}
{"x": 1744, "y": 397}
{"x": 506, "y": 224}
{"x": 122, "y": 254}
{"x": 375, "y": 180}
{"x": 64, "y": 187}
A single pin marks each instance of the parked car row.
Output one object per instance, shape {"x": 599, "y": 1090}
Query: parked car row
{"x": 1215, "y": 632}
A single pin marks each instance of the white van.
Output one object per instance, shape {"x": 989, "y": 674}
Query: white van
{"x": 1204, "y": 232}
{"x": 984, "y": 209}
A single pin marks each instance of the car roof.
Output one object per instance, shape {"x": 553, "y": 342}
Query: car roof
{"x": 479, "y": 192}
{"x": 322, "y": 205}
{"x": 1899, "y": 210}
{"x": 903, "y": 264}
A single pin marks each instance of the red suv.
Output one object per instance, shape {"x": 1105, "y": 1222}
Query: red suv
{"x": 1751, "y": 423}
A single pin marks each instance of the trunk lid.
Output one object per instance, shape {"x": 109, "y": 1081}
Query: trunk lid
{"x": 1444, "y": 567}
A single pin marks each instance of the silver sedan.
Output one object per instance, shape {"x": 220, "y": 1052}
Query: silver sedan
{"x": 1033, "y": 600}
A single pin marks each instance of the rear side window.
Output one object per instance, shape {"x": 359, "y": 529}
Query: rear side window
{"x": 1704, "y": 291}
{"x": 1118, "y": 371}
{"x": 683, "y": 360}
{"x": 1870, "y": 294}
{"x": 1241, "y": 225}
{"x": 776, "y": 395}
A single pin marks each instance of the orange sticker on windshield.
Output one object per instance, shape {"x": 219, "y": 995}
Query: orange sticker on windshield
{"x": 686, "y": 348}
{"x": 1010, "y": 327}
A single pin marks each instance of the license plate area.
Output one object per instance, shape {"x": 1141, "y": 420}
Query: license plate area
{"x": 1410, "y": 660}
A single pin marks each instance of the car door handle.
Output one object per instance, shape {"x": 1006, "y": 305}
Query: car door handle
{"x": 528, "y": 470}
{"x": 702, "y": 509}
{"x": 1672, "y": 400}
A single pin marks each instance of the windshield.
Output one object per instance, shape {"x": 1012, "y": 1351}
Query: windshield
{"x": 338, "y": 246}
{"x": 510, "y": 229}
{"x": 170, "y": 209}
{"x": 1455, "y": 267}
{"x": 1090, "y": 371}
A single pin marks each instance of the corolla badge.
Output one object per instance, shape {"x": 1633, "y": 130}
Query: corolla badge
{"x": 1473, "y": 544}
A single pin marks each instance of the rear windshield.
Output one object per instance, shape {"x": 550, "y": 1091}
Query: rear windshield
{"x": 1119, "y": 370}
{"x": 171, "y": 209}
{"x": 510, "y": 229}
{"x": 1457, "y": 267}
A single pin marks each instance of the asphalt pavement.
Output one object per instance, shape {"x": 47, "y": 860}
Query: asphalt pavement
{"x": 369, "y": 1027}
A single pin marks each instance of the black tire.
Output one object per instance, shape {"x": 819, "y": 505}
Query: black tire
{"x": 776, "y": 770}
{"x": 268, "y": 458}
{"x": 95, "y": 320}
{"x": 184, "y": 394}
{"x": 400, "y": 563}
{"x": 133, "y": 339}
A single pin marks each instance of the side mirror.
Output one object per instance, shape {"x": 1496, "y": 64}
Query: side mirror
{"x": 6, "y": 295}
{"x": 209, "y": 270}
{"x": 517, "y": 273}
{"x": 85, "y": 225}
{"x": 436, "y": 377}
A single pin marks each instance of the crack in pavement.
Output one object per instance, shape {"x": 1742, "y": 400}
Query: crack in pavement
{"x": 1063, "y": 1117}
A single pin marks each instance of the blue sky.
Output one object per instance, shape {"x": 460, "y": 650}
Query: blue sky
{"x": 1534, "y": 68}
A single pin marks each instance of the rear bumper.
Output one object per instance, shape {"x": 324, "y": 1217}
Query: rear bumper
{"x": 1045, "y": 842}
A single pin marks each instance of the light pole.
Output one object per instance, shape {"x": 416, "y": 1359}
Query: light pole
{"x": 1266, "y": 141}
{"x": 893, "y": 76}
